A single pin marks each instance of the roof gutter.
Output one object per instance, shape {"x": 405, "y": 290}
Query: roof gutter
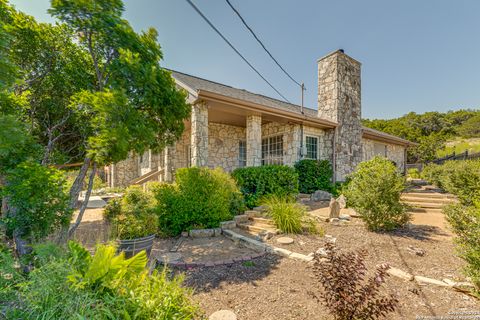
{"x": 389, "y": 139}
{"x": 246, "y": 105}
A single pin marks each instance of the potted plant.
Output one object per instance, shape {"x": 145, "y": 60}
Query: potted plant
{"x": 133, "y": 222}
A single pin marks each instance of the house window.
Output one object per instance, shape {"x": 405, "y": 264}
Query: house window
{"x": 272, "y": 150}
{"x": 242, "y": 153}
{"x": 311, "y": 144}
{"x": 380, "y": 149}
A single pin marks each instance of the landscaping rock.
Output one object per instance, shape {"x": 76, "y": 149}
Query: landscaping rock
{"x": 425, "y": 280}
{"x": 260, "y": 208}
{"x": 168, "y": 257}
{"x": 228, "y": 224}
{"x": 95, "y": 202}
{"x": 217, "y": 232}
{"x": 344, "y": 217}
{"x": 184, "y": 234}
{"x": 285, "y": 240}
{"x": 223, "y": 315}
{"x": 321, "y": 195}
{"x": 281, "y": 251}
{"x": 201, "y": 233}
{"x": 241, "y": 218}
{"x": 334, "y": 208}
{"x": 342, "y": 201}
{"x": 300, "y": 257}
{"x": 400, "y": 274}
{"x": 417, "y": 251}
{"x": 330, "y": 238}
{"x": 321, "y": 252}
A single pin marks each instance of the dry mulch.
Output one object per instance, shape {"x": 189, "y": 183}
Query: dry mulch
{"x": 280, "y": 288}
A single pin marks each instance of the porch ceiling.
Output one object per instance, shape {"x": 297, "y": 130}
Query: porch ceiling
{"x": 234, "y": 112}
{"x": 226, "y": 114}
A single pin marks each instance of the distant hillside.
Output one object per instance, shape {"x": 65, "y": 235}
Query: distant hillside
{"x": 460, "y": 145}
{"x": 431, "y": 130}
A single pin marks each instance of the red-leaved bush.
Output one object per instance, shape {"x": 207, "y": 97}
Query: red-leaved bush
{"x": 347, "y": 292}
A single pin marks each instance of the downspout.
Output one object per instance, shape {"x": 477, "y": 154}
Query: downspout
{"x": 301, "y": 125}
{"x": 334, "y": 156}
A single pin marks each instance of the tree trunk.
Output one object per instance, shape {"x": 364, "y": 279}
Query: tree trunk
{"x": 85, "y": 202}
{"x": 78, "y": 183}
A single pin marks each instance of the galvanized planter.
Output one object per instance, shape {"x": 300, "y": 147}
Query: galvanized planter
{"x": 133, "y": 246}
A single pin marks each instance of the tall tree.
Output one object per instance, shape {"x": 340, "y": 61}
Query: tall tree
{"x": 133, "y": 104}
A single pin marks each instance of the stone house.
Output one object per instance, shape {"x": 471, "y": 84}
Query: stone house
{"x": 232, "y": 128}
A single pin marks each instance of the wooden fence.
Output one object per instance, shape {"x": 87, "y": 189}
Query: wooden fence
{"x": 450, "y": 157}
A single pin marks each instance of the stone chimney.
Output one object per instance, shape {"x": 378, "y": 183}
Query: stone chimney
{"x": 339, "y": 100}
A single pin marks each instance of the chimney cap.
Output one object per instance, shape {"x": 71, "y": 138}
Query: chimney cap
{"x": 336, "y": 52}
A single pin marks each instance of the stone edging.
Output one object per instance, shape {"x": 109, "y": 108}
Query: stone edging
{"x": 398, "y": 273}
{"x": 191, "y": 265}
{"x": 265, "y": 248}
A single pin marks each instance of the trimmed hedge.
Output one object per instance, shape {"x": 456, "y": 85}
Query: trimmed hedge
{"x": 257, "y": 182}
{"x": 200, "y": 198}
{"x": 314, "y": 175}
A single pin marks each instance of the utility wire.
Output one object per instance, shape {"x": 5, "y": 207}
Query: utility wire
{"x": 234, "y": 49}
{"x": 261, "y": 43}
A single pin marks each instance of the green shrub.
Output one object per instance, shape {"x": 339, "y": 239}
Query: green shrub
{"x": 314, "y": 175}
{"x": 374, "y": 192}
{"x": 465, "y": 222}
{"x": 132, "y": 216}
{"x": 413, "y": 173}
{"x": 461, "y": 178}
{"x": 289, "y": 216}
{"x": 105, "y": 286}
{"x": 10, "y": 276}
{"x": 257, "y": 182}
{"x": 39, "y": 195}
{"x": 200, "y": 198}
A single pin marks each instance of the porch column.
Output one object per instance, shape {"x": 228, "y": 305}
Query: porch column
{"x": 254, "y": 140}
{"x": 169, "y": 154}
{"x": 199, "y": 139}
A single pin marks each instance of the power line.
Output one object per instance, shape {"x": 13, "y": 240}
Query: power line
{"x": 234, "y": 49}
{"x": 261, "y": 43}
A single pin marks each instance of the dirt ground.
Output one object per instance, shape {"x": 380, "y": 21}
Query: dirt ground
{"x": 280, "y": 288}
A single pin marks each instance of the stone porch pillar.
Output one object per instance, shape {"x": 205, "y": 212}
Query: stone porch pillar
{"x": 254, "y": 140}
{"x": 169, "y": 154}
{"x": 199, "y": 138}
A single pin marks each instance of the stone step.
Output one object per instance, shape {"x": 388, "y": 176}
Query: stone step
{"x": 252, "y": 214}
{"x": 263, "y": 221}
{"x": 425, "y": 204}
{"x": 426, "y": 210}
{"x": 256, "y": 228}
{"x": 427, "y": 199}
{"x": 434, "y": 195}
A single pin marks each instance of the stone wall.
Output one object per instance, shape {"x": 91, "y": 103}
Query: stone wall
{"x": 199, "y": 134}
{"x": 124, "y": 171}
{"x": 325, "y": 141}
{"x": 223, "y": 145}
{"x": 339, "y": 100}
{"x": 254, "y": 140}
{"x": 291, "y": 140}
{"x": 396, "y": 153}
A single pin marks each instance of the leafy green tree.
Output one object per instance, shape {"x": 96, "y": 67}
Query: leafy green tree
{"x": 38, "y": 195}
{"x": 470, "y": 128}
{"x": 133, "y": 104}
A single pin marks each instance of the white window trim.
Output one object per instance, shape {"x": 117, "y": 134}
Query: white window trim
{"x": 306, "y": 149}
{"x": 283, "y": 147}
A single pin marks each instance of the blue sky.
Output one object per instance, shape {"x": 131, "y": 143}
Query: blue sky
{"x": 416, "y": 55}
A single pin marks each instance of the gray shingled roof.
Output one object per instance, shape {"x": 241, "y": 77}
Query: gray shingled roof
{"x": 197, "y": 83}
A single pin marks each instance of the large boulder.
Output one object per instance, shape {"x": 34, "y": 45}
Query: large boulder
{"x": 334, "y": 209}
{"x": 342, "y": 201}
{"x": 321, "y": 195}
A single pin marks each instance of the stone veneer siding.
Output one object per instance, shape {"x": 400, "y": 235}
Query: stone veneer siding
{"x": 254, "y": 140}
{"x": 199, "y": 134}
{"x": 223, "y": 145}
{"x": 339, "y": 99}
{"x": 394, "y": 152}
